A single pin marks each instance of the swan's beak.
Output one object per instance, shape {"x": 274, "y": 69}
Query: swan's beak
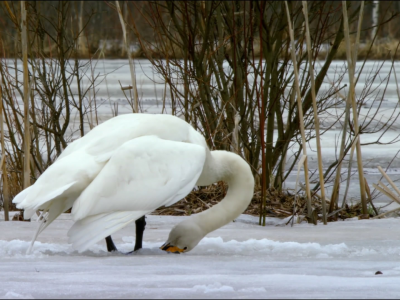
{"x": 169, "y": 248}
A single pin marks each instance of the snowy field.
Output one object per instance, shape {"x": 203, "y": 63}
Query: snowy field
{"x": 240, "y": 260}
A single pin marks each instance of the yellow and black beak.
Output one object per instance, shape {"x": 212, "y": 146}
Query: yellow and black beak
{"x": 170, "y": 248}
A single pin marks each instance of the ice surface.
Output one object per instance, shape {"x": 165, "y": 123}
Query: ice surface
{"x": 240, "y": 260}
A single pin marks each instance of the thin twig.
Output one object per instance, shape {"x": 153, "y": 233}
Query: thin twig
{"x": 389, "y": 180}
{"x": 386, "y": 191}
{"x": 385, "y": 213}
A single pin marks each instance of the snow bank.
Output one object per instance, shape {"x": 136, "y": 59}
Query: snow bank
{"x": 18, "y": 248}
{"x": 208, "y": 247}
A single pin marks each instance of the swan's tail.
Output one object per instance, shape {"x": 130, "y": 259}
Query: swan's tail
{"x": 58, "y": 187}
{"x": 50, "y": 212}
{"x": 92, "y": 229}
{"x": 22, "y": 195}
{"x": 52, "y": 205}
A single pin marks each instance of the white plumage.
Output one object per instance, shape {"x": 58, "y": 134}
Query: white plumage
{"x": 128, "y": 167}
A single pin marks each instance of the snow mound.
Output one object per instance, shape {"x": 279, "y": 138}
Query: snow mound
{"x": 213, "y": 288}
{"x": 265, "y": 246}
{"x": 253, "y": 290}
{"x": 13, "y": 295}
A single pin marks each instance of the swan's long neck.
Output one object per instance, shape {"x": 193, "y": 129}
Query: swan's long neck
{"x": 231, "y": 168}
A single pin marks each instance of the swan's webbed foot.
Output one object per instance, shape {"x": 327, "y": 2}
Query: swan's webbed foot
{"x": 140, "y": 226}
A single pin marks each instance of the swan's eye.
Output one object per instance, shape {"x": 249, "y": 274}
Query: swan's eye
{"x": 185, "y": 248}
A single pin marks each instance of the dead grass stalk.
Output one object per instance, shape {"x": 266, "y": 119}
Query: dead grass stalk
{"x": 300, "y": 110}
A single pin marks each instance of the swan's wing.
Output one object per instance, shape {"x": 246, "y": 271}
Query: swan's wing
{"x": 79, "y": 163}
{"x": 142, "y": 175}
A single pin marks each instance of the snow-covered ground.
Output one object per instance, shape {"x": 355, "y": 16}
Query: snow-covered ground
{"x": 240, "y": 260}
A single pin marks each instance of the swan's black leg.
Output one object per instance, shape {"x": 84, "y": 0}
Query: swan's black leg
{"x": 110, "y": 244}
{"x": 140, "y": 225}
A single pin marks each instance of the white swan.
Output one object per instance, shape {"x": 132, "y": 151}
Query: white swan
{"x": 128, "y": 167}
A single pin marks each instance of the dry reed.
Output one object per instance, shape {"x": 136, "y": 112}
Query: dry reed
{"x": 300, "y": 111}
{"x": 27, "y": 138}
{"x": 351, "y": 61}
{"x": 131, "y": 64}
{"x": 3, "y": 163}
{"x": 316, "y": 118}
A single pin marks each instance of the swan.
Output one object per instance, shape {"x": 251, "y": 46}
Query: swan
{"x": 129, "y": 166}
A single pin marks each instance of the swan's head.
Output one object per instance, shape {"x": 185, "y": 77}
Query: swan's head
{"x": 183, "y": 237}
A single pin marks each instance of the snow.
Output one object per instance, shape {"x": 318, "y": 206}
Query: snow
{"x": 239, "y": 260}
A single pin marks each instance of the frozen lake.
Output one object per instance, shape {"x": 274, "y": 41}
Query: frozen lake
{"x": 112, "y": 74}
